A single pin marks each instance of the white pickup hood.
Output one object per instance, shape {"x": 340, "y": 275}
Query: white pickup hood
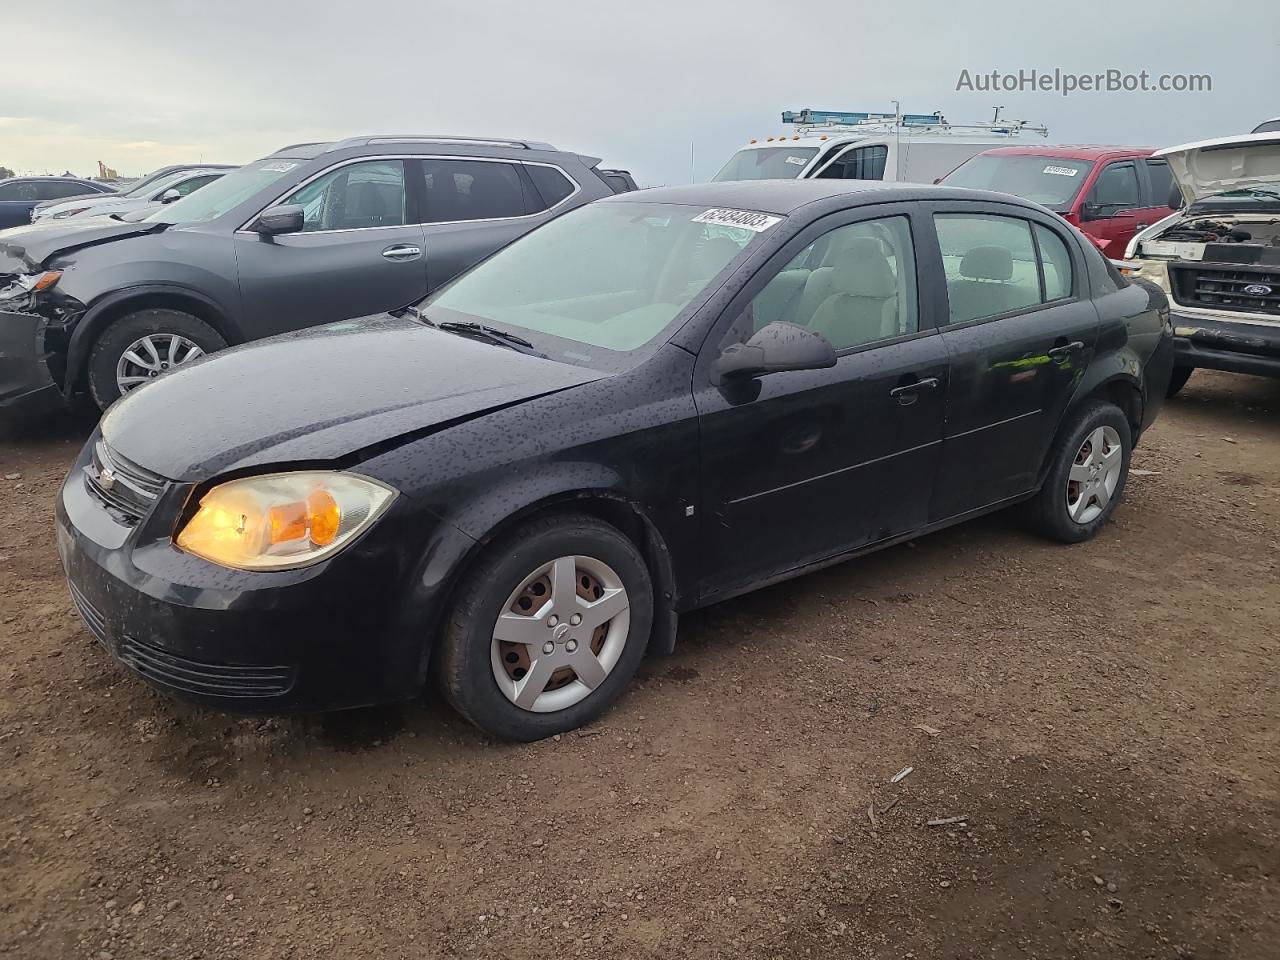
{"x": 1229, "y": 163}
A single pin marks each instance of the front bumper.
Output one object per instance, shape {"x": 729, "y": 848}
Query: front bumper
{"x": 27, "y": 388}
{"x": 1221, "y": 344}
{"x": 335, "y": 635}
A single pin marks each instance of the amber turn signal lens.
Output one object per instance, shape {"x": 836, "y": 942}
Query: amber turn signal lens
{"x": 47, "y": 280}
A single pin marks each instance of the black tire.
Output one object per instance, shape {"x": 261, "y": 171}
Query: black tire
{"x": 1047, "y": 512}
{"x": 464, "y": 667}
{"x": 122, "y": 333}
{"x": 1178, "y": 380}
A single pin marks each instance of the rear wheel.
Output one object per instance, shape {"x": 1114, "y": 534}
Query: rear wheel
{"x": 548, "y": 629}
{"x": 1086, "y": 477}
{"x": 1178, "y": 380}
{"x": 140, "y": 346}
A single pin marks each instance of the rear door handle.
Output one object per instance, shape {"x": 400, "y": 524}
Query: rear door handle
{"x": 402, "y": 251}
{"x": 1064, "y": 351}
{"x": 908, "y": 392}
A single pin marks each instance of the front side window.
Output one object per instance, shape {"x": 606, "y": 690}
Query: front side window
{"x": 1116, "y": 189}
{"x": 861, "y": 163}
{"x": 853, "y": 285}
{"x": 473, "y": 190}
{"x": 766, "y": 163}
{"x": 603, "y": 280}
{"x": 990, "y": 264}
{"x": 356, "y": 196}
{"x": 194, "y": 184}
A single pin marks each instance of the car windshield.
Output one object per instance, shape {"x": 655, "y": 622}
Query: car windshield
{"x": 160, "y": 185}
{"x": 225, "y": 193}
{"x": 140, "y": 186}
{"x": 766, "y": 163}
{"x": 602, "y": 281}
{"x": 1052, "y": 181}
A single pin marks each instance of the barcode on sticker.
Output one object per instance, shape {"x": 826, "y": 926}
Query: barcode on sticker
{"x": 746, "y": 219}
{"x": 1062, "y": 171}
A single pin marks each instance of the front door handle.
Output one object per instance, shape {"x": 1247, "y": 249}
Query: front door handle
{"x": 908, "y": 392}
{"x": 1065, "y": 350}
{"x": 1141, "y": 226}
{"x": 402, "y": 251}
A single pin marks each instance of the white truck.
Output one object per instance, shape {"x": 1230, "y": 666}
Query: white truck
{"x": 848, "y": 145}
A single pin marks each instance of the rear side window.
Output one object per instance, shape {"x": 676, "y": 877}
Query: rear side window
{"x": 1116, "y": 189}
{"x": 473, "y": 190}
{"x": 23, "y": 190}
{"x": 353, "y": 197}
{"x": 990, "y": 264}
{"x": 552, "y": 185}
{"x": 1055, "y": 264}
{"x": 1161, "y": 182}
{"x": 863, "y": 163}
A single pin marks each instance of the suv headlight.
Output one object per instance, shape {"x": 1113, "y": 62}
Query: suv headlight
{"x": 283, "y": 520}
{"x": 61, "y": 214}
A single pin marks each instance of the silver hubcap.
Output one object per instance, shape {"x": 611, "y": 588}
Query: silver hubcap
{"x": 1094, "y": 475}
{"x": 560, "y": 634}
{"x": 151, "y": 356}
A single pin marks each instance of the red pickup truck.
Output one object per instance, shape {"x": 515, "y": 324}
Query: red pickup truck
{"x": 1109, "y": 193}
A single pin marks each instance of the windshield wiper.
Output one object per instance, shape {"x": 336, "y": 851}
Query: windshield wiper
{"x": 469, "y": 328}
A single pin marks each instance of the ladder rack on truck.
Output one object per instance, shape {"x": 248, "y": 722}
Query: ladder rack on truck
{"x": 808, "y": 122}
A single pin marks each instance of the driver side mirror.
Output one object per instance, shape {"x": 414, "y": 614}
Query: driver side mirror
{"x": 170, "y": 195}
{"x": 282, "y": 218}
{"x": 774, "y": 348}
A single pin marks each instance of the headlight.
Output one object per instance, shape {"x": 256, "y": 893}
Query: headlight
{"x": 67, "y": 213}
{"x": 282, "y": 520}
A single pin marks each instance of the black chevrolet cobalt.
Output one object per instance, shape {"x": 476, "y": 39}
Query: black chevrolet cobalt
{"x": 652, "y": 403}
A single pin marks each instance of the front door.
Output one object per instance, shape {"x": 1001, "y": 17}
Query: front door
{"x": 359, "y": 252}
{"x": 1022, "y": 330}
{"x": 1110, "y": 210}
{"x": 802, "y": 466}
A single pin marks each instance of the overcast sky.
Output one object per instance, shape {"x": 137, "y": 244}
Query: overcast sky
{"x": 140, "y": 83}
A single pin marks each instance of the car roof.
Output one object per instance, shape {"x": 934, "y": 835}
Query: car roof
{"x": 784, "y": 197}
{"x": 1071, "y": 151}
{"x": 43, "y": 179}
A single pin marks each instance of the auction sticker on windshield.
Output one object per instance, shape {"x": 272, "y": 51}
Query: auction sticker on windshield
{"x": 747, "y": 219}
{"x": 1062, "y": 171}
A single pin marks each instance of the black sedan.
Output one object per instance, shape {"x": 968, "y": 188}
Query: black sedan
{"x": 650, "y": 404}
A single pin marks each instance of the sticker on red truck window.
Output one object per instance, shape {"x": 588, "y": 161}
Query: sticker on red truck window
{"x": 1062, "y": 171}
{"x": 746, "y": 219}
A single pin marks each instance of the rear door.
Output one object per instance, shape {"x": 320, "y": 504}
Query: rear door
{"x": 475, "y": 206}
{"x": 360, "y": 252}
{"x": 1110, "y": 210}
{"x": 1021, "y": 330}
{"x": 802, "y": 466}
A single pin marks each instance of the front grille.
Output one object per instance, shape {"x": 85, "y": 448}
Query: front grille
{"x": 205, "y": 679}
{"x": 1223, "y": 289}
{"x": 123, "y": 487}
{"x": 90, "y": 614}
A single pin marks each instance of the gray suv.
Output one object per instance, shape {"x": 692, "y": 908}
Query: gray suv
{"x": 314, "y": 233}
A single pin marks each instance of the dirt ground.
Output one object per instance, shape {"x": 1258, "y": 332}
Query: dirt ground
{"x": 1105, "y": 719}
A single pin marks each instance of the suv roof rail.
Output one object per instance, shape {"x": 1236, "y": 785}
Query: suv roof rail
{"x": 439, "y": 138}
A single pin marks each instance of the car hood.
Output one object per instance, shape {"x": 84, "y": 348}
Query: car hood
{"x": 23, "y": 249}
{"x": 1210, "y": 167}
{"x": 322, "y": 394}
{"x": 46, "y": 204}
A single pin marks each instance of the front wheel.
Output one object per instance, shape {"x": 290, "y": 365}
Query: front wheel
{"x": 1086, "y": 476}
{"x": 140, "y": 346}
{"x": 548, "y": 628}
